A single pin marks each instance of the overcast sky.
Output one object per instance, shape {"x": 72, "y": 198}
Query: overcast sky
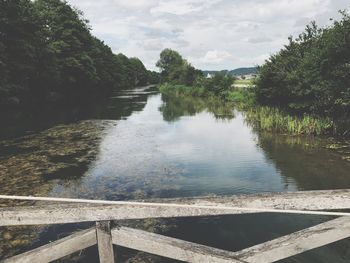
{"x": 211, "y": 34}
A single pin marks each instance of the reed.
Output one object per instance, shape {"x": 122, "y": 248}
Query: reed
{"x": 275, "y": 120}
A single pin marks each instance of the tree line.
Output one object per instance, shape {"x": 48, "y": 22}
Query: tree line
{"x": 178, "y": 74}
{"x": 48, "y": 55}
{"x": 311, "y": 74}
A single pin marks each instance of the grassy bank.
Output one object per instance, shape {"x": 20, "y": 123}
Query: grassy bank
{"x": 275, "y": 120}
{"x": 264, "y": 118}
{"x": 240, "y": 97}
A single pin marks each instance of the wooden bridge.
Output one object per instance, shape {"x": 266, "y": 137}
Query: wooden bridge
{"x": 103, "y": 212}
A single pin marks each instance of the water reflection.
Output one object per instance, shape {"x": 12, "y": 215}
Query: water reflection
{"x": 173, "y": 108}
{"x": 145, "y": 156}
{"x": 307, "y": 161}
{"x": 124, "y": 103}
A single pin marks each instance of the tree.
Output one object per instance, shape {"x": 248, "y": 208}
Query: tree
{"x": 175, "y": 69}
{"x": 311, "y": 73}
{"x": 170, "y": 64}
{"x": 70, "y": 41}
{"x": 219, "y": 83}
{"x": 22, "y": 49}
{"x": 48, "y": 55}
{"x": 153, "y": 77}
{"x": 140, "y": 72}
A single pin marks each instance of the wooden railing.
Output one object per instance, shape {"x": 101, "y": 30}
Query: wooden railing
{"x": 103, "y": 212}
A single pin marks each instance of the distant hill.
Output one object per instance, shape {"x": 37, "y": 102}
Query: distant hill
{"x": 244, "y": 71}
{"x": 235, "y": 72}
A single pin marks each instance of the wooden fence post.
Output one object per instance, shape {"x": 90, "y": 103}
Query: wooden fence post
{"x": 104, "y": 241}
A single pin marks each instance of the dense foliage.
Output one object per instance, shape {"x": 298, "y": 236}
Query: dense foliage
{"x": 47, "y": 54}
{"x": 175, "y": 69}
{"x": 311, "y": 74}
{"x": 180, "y": 76}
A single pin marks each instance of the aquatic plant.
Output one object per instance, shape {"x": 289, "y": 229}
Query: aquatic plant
{"x": 275, "y": 120}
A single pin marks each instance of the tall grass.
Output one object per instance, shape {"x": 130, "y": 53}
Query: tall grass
{"x": 241, "y": 98}
{"x": 275, "y": 120}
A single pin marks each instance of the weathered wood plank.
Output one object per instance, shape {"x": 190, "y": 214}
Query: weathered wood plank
{"x": 63, "y": 213}
{"x": 297, "y": 242}
{"x": 170, "y": 247}
{"x": 312, "y": 200}
{"x": 302, "y": 200}
{"x": 57, "y": 249}
{"x": 267, "y": 252}
{"x": 104, "y": 241}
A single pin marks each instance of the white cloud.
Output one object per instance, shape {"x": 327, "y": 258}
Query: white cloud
{"x": 259, "y": 39}
{"x": 174, "y": 8}
{"x": 254, "y": 60}
{"x": 154, "y": 45}
{"x": 215, "y": 57}
{"x": 182, "y": 7}
{"x": 135, "y": 3}
{"x": 211, "y": 34}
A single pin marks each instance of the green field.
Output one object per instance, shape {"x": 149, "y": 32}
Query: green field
{"x": 244, "y": 81}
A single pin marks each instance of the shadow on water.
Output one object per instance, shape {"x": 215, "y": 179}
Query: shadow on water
{"x": 18, "y": 123}
{"x": 124, "y": 103}
{"x": 307, "y": 161}
{"x": 46, "y": 153}
{"x": 144, "y": 145}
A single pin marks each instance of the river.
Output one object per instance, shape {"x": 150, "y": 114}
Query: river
{"x": 144, "y": 145}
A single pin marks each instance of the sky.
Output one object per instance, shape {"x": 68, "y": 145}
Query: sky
{"x": 210, "y": 34}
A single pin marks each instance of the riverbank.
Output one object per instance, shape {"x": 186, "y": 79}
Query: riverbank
{"x": 265, "y": 118}
{"x": 240, "y": 97}
{"x": 262, "y": 119}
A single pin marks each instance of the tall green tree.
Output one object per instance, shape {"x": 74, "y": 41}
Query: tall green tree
{"x": 22, "y": 50}
{"x": 47, "y": 54}
{"x": 71, "y": 43}
{"x": 175, "y": 69}
{"x": 140, "y": 72}
{"x": 311, "y": 73}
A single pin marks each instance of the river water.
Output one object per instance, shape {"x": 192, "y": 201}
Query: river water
{"x": 144, "y": 145}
